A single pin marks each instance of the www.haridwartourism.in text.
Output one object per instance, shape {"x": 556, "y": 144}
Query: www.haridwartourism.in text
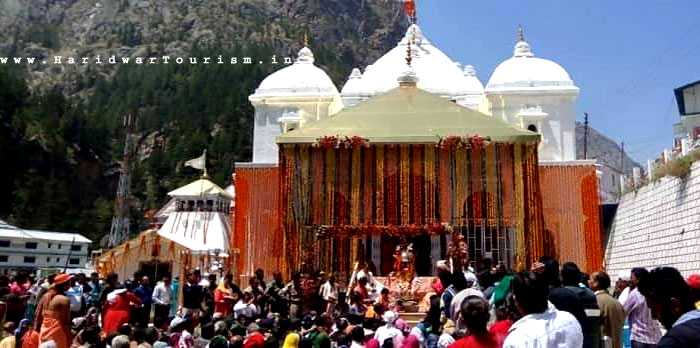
{"x": 144, "y": 60}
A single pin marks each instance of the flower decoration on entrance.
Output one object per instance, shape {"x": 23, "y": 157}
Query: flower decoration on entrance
{"x": 363, "y": 230}
{"x": 451, "y": 142}
{"x": 330, "y": 142}
{"x": 355, "y": 142}
{"x": 327, "y": 142}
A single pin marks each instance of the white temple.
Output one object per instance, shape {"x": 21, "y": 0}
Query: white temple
{"x": 529, "y": 92}
{"x": 288, "y": 99}
{"x": 200, "y": 220}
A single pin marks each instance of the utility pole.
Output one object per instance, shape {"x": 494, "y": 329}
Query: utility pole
{"x": 585, "y": 135}
{"x": 622, "y": 157}
{"x": 119, "y": 231}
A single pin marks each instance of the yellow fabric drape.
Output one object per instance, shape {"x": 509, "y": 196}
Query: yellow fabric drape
{"x": 380, "y": 185}
{"x": 520, "y": 249}
{"x": 404, "y": 172}
{"x": 430, "y": 177}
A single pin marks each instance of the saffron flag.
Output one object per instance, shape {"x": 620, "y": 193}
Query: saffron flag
{"x": 199, "y": 162}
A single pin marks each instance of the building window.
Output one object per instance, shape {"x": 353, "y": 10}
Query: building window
{"x": 30, "y": 245}
{"x": 532, "y": 128}
{"x": 50, "y": 245}
{"x": 59, "y": 246}
{"x": 58, "y": 259}
{"x": 74, "y": 261}
{"x": 3, "y": 258}
{"x": 76, "y": 247}
{"x": 29, "y": 259}
{"x": 48, "y": 259}
{"x": 4, "y": 243}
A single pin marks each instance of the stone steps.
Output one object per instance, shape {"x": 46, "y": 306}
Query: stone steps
{"x": 412, "y": 318}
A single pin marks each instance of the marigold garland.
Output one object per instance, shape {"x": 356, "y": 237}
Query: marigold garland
{"x": 452, "y": 142}
{"x": 404, "y": 177}
{"x": 364, "y": 230}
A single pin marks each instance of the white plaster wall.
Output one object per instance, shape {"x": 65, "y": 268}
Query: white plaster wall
{"x": 658, "y": 226}
{"x": 609, "y": 184}
{"x": 46, "y": 255}
{"x": 558, "y": 129}
{"x": 267, "y": 127}
{"x": 265, "y": 131}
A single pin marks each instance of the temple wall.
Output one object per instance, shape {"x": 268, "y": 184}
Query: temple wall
{"x": 659, "y": 225}
{"x": 256, "y": 231}
{"x": 573, "y": 230}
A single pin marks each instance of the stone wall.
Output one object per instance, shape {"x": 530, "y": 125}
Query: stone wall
{"x": 659, "y": 225}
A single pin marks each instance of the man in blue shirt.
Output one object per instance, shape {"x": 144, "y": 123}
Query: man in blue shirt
{"x": 145, "y": 293}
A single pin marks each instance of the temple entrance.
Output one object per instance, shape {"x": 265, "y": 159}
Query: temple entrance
{"x": 488, "y": 242}
{"x": 421, "y": 251}
{"x": 155, "y": 270}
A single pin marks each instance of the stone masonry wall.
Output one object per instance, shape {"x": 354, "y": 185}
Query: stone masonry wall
{"x": 659, "y": 225}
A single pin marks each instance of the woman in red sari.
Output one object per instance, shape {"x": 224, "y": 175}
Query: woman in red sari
{"x": 118, "y": 309}
{"x": 224, "y": 298}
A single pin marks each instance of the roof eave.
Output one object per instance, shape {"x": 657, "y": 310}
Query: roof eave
{"x": 418, "y": 140}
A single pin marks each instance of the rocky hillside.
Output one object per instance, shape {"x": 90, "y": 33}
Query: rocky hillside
{"x": 356, "y": 31}
{"x": 603, "y": 149}
{"x": 61, "y": 132}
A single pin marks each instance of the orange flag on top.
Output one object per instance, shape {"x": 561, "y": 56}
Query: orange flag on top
{"x": 410, "y": 7}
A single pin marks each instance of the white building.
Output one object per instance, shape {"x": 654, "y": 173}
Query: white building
{"x": 288, "y": 99}
{"x": 688, "y": 99}
{"x": 29, "y": 250}
{"x": 200, "y": 220}
{"x": 526, "y": 91}
{"x": 536, "y": 94}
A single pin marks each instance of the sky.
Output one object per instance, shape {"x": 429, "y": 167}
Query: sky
{"x": 625, "y": 56}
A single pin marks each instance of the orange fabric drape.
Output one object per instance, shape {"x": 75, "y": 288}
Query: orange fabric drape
{"x": 256, "y": 226}
{"x": 571, "y": 214}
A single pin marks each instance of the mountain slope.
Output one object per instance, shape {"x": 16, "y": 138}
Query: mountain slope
{"x": 61, "y": 125}
{"x": 602, "y": 148}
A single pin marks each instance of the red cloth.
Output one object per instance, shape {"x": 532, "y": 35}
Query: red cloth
{"x": 255, "y": 340}
{"x": 411, "y": 342}
{"x": 500, "y": 329}
{"x": 477, "y": 341}
{"x": 372, "y": 343}
{"x": 362, "y": 291}
{"x": 118, "y": 312}
{"x": 694, "y": 281}
{"x": 222, "y": 304}
{"x": 30, "y": 339}
{"x": 437, "y": 286}
{"x": 19, "y": 289}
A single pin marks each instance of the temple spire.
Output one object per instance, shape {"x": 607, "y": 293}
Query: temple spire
{"x": 521, "y": 35}
{"x": 305, "y": 39}
{"x": 409, "y": 7}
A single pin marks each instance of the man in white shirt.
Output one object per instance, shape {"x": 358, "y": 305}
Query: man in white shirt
{"x": 542, "y": 325}
{"x": 622, "y": 287}
{"x": 389, "y": 331}
{"x": 163, "y": 298}
{"x": 329, "y": 294}
{"x": 245, "y": 307}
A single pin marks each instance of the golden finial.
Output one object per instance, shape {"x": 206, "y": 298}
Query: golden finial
{"x": 521, "y": 35}
{"x": 305, "y": 40}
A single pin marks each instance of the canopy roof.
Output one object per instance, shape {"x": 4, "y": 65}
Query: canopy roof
{"x": 201, "y": 187}
{"x": 409, "y": 115}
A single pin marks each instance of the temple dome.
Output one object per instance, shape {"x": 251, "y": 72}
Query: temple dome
{"x": 471, "y": 82}
{"x": 301, "y": 79}
{"x": 525, "y": 72}
{"x": 436, "y": 72}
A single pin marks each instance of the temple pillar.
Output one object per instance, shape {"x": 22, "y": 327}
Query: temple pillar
{"x": 376, "y": 252}
{"x": 435, "y": 252}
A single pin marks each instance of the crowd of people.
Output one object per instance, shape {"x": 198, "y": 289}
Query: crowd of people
{"x": 547, "y": 306}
